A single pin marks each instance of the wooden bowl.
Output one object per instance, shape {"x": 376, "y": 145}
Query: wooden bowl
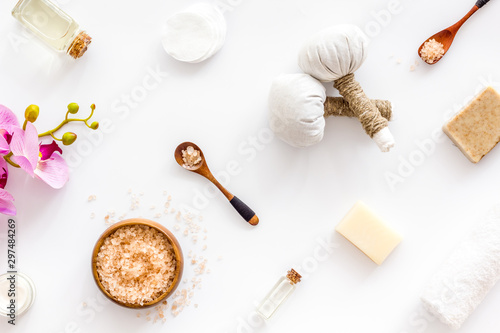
{"x": 177, "y": 253}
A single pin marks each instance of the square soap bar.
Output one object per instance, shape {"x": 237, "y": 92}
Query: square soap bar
{"x": 476, "y": 129}
{"x": 368, "y": 233}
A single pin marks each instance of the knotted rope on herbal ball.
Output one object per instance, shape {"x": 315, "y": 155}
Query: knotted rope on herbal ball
{"x": 298, "y": 106}
{"x": 334, "y": 55}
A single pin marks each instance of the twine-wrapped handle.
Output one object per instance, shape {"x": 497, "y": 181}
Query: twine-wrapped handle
{"x": 360, "y": 105}
{"x": 373, "y": 123}
{"x": 339, "y": 107}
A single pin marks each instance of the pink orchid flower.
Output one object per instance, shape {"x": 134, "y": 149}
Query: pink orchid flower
{"x": 7, "y": 118}
{"x": 6, "y": 199}
{"x": 8, "y": 122}
{"x": 37, "y": 160}
{"x": 4, "y": 142}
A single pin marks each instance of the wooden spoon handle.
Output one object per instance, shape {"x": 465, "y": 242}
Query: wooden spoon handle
{"x": 246, "y": 212}
{"x": 481, "y": 3}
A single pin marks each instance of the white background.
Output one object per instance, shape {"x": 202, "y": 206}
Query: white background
{"x": 299, "y": 194}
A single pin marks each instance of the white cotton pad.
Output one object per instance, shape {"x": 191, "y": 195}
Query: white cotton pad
{"x": 195, "y": 34}
{"x": 216, "y": 19}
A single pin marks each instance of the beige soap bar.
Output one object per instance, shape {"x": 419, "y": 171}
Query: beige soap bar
{"x": 476, "y": 129}
{"x": 368, "y": 233}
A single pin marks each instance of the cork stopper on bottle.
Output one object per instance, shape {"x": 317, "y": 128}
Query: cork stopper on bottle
{"x": 293, "y": 276}
{"x": 79, "y": 45}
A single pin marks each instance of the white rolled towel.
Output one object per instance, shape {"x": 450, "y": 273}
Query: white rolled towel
{"x": 467, "y": 276}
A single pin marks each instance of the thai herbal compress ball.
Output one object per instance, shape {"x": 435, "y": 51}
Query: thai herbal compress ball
{"x": 334, "y": 54}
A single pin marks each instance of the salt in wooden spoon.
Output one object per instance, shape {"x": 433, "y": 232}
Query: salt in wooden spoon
{"x": 202, "y": 169}
{"x": 446, "y": 36}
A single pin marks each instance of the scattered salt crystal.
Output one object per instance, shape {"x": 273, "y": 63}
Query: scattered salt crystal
{"x": 432, "y": 51}
{"x": 191, "y": 157}
{"x": 188, "y": 221}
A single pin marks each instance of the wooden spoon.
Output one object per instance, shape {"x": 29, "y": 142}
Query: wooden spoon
{"x": 446, "y": 36}
{"x": 202, "y": 169}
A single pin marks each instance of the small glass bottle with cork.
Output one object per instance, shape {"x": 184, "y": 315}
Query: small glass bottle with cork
{"x": 280, "y": 292}
{"x": 56, "y": 28}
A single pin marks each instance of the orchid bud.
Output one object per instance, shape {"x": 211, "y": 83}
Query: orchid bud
{"x": 68, "y": 138}
{"x": 73, "y": 108}
{"x": 94, "y": 125}
{"x": 31, "y": 113}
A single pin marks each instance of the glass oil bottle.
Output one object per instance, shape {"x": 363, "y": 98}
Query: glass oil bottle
{"x": 53, "y": 26}
{"x": 280, "y": 292}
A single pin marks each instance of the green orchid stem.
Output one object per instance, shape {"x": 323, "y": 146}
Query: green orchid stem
{"x": 8, "y": 160}
{"x": 66, "y": 121}
{"x": 24, "y": 125}
{"x": 54, "y": 137}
